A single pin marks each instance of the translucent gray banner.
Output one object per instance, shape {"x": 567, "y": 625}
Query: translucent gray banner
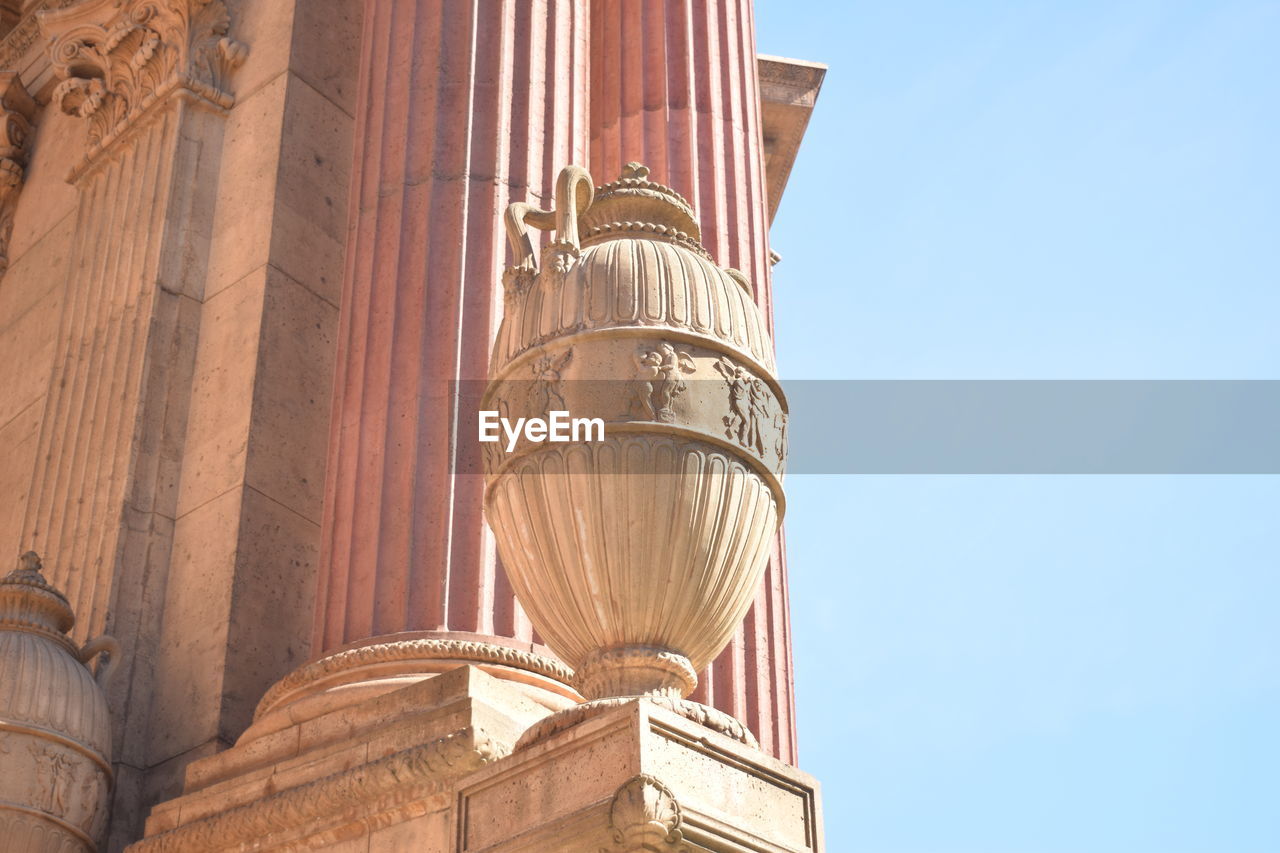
{"x": 986, "y": 427}
{"x": 1034, "y": 427}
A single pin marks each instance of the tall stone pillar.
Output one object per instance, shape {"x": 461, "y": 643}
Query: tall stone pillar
{"x": 148, "y": 84}
{"x": 409, "y": 580}
{"x": 463, "y": 108}
{"x": 675, "y": 85}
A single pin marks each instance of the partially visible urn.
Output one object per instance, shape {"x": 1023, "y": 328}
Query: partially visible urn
{"x": 635, "y": 556}
{"x": 55, "y": 737}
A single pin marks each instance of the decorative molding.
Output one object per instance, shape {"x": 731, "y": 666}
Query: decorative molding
{"x": 19, "y": 40}
{"x": 483, "y": 653}
{"x": 344, "y": 797}
{"x": 704, "y": 715}
{"x": 623, "y": 671}
{"x": 788, "y": 91}
{"x": 17, "y": 112}
{"x": 644, "y": 815}
{"x": 118, "y": 58}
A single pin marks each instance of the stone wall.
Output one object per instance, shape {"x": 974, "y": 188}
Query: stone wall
{"x": 167, "y": 330}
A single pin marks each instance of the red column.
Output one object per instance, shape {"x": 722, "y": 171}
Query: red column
{"x": 674, "y": 85}
{"x": 464, "y": 107}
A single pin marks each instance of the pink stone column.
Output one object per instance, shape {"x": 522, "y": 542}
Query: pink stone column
{"x": 674, "y": 85}
{"x": 463, "y": 108}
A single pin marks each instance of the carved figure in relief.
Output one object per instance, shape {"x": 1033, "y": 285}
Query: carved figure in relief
{"x": 780, "y": 430}
{"x": 748, "y": 403}
{"x": 659, "y": 381}
{"x": 17, "y": 111}
{"x": 548, "y": 385}
{"x": 64, "y": 773}
{"x": 759, "y": 395}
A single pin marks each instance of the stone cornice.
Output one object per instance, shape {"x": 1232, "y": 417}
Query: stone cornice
{"x": 788, "y": 91}
{"x": 17, "y": 111}
{"x": 116, "y": 59}
{"x": 18, "y": 41}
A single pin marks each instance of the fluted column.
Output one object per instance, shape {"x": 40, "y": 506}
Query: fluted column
{"x": 674, "y": 84}
{"x": 150, "y": 84}
{"x": 464, "y": 107}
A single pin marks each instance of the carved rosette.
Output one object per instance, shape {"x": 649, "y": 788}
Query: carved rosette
{"x": 636, "y": 557}
{"x": 17, "y": 111}
{"x": 118, "y": 58}
{"x": 55, "y": 742}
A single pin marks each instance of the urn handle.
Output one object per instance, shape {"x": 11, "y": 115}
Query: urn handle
{"x": 97, "y": 646}
{"x": 574, "y": 192}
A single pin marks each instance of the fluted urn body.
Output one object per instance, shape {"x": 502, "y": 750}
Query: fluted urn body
{"x": 55, "y": 738}
{"x": 636, "y": 549}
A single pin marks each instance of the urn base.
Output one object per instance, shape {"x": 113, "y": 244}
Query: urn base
{"x": 636, "y": 670}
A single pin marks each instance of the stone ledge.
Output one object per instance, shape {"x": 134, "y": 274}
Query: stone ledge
{"x": 342, "y": 775}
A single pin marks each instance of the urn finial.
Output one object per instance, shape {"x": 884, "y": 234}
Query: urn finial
{"x": 636, "y": 204}
{"x": 26, "y": 598}
{"x": 28, "y": 564}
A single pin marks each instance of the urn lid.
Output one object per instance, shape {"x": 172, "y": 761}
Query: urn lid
{"x": 28, "y": 602}
{"x": 634, "y": 204}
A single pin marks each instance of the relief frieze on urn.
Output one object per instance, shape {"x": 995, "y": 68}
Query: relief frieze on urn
{"x": 638, "y": 551}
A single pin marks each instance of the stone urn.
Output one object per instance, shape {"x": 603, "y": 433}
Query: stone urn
{"x": 55, "y": 737}
{"x": 635, "y": 549}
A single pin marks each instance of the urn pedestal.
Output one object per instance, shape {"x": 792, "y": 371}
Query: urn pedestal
{"x": 638, "y": 779}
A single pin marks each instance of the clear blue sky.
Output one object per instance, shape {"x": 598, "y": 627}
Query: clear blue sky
{"x": 1066, "y": 190}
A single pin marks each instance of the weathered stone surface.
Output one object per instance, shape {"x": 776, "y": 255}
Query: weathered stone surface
{"x": 428, "y": 768}
{"x": 101, "y": 312}
{"x": 638, "y": 778}
{"x": 370, "y": 775}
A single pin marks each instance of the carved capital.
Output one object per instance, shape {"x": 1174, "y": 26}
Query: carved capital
{"x": 17, "y": 111}
{"x": 118, "y": 58}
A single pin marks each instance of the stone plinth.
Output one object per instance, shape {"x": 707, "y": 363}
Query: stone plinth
{"x": 349, "y": 779}
{"x": 638, "y": 778}
{"x": 430, "y": 768}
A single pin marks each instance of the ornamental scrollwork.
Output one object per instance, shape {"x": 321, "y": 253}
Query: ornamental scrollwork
{"x": 644, "y": 815}
{"x": 17, "y": 111}
{"x": 116, "y": 59}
